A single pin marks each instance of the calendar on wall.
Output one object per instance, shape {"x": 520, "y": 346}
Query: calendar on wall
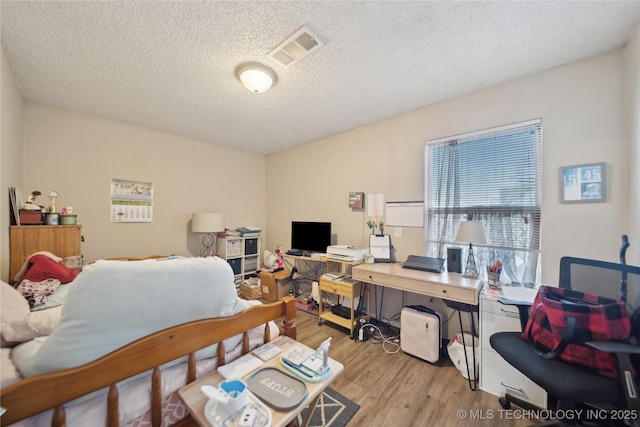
{"x": 131, "y": 201}
{"x": 405, "y": 214}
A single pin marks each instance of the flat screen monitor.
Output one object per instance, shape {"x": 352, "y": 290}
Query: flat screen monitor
{"x": 310, "y": 236}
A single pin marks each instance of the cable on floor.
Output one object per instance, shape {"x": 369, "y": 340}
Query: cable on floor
{"x": 394, "y": 342}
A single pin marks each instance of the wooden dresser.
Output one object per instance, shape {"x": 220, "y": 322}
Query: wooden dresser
{"x": 60, "y": 240}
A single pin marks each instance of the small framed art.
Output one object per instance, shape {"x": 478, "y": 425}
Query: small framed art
{"x": 583, "y": 183}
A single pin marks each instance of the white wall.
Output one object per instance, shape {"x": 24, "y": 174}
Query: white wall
{"x": 582, "y": 106}
{"x": 78, "y": 155}
{"x": 11, "y": 153}
{"x": 584, "y": 120}
{"x": 632, "y": 57}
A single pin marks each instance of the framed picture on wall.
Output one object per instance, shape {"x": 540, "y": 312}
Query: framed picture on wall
{"x": 583, "y": 183}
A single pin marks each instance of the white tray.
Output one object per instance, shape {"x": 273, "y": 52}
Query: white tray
{"x": 218, "y": 417}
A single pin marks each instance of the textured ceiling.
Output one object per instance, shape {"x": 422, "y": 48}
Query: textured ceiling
{"x": 170, "y": 65}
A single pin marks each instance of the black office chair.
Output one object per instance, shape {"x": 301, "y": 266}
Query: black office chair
{"x": 569, "y": 387}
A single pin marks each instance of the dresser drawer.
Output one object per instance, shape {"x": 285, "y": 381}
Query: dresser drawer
{"x": 493, "y": 322}
{"x": 341, "y": 288}
{"x": 491, "y": 306}
{"x": 498, "y": 377}
{"x": 420, "y": 282}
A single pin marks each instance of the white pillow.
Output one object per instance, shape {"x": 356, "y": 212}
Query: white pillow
{"x": 8, "y": 372}
{"x": 45, "y": 321}
{"x": 15, "y": 316}
{"x": 113, "y": 303}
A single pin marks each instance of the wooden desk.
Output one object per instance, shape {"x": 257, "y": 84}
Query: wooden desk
{"x": 463, "y": 292}
{"x": 195, "y": 401}
{"x": 447, "y": 286}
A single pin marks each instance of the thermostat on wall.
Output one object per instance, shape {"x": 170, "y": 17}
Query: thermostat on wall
{"x": 356, "y": 200}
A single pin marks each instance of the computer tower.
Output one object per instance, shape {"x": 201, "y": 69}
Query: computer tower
{"x": 421, "y": 332}
{"x": 454, "y": 261}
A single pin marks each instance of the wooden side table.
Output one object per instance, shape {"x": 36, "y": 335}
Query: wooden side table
{"x": 195, "y": 400}
{"x": 346, "y": 287}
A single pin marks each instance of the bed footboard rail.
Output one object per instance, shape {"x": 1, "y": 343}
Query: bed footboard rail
{"x": 42, "y": 392}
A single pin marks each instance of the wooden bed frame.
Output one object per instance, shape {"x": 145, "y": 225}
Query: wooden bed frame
{"x": 39, "y": 393}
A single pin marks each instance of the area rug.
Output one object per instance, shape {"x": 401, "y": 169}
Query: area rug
{"x": 332, "y": 410}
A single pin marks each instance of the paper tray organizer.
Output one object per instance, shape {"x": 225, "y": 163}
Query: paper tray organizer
{"x": 300, "y": 371}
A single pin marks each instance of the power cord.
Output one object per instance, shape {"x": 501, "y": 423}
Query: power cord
{"x": 394, "y": 342}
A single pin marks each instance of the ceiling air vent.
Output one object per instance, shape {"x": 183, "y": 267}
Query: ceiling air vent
{"x": 300, "y": 44}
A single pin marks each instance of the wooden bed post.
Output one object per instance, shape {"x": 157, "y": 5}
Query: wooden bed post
{"x": 51, "y": 390}
{"x": 288, "y": 317}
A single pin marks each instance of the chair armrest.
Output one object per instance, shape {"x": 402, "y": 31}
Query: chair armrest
{"x": 523, "y": 309}
{"x": 615, "y": 347}
{"x": 626, "y": 381}
{"x": 506, "y": 301}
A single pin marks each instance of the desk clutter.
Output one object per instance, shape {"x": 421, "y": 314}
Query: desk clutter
{"x": 221, "y": 411}
{"x": 310, "y": 366}
{"x": 33, "y": 214}
{"x": 236, "y": 402}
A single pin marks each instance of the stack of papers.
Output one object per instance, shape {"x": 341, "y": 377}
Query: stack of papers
{"x": 240, "y": 367}
{"x": 518, "y": 293}
{"x": 267, "y": 351}
{"x": 249, "y": 231}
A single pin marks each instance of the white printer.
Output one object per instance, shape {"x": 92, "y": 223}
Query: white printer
{"x": 346, "y": 253}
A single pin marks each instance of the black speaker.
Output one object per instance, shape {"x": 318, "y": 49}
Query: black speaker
{"x": 454, "y": 260}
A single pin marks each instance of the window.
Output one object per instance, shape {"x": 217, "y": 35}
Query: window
{"x": 494, "y": 177}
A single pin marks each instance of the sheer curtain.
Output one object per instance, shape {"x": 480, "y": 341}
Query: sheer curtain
{"x": 490, "y": 176}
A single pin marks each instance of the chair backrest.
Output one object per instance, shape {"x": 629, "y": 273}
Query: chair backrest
{"x": 608, "y": 279}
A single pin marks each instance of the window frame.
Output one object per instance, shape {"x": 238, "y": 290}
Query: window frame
{"x": 532, "y": 215}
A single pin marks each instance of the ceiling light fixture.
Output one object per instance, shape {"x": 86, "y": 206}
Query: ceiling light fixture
{"x": 256, "y": 77}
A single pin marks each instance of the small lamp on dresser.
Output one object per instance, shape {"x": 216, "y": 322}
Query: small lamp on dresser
{"x": 471, "y": 232}
{"x": 208, "y": 224}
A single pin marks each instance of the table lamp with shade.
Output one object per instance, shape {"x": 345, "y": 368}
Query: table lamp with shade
{"x": 471, "y": 232}
{"x": 208, "y": 224}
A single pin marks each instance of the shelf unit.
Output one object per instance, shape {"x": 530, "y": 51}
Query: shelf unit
{"x": 25, "y": 240}
{"x": 242, "y": 254}
{"x": 341, "y": 287}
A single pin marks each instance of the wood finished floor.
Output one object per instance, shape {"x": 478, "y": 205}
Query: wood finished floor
{"x": 402, "y": 390}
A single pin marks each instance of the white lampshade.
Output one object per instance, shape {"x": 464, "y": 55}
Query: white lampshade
{"x": 471, "y": 232}
{"x": 207, "y": 222}
{"x": 256, "y": 77}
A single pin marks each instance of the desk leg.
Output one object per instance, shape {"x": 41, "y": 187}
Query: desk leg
{"x": 473, "y": 383}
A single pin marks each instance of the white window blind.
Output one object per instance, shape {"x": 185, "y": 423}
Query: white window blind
{"x": 491, "y": 176}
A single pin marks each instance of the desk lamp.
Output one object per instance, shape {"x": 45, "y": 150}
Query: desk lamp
{"x": 208, "y": 224}
{"x": 471, "y": 232}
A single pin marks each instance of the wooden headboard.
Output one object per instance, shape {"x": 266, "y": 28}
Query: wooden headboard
{"x": 51, "y": 390}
